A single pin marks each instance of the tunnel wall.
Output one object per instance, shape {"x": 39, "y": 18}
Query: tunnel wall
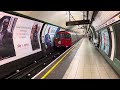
{"x": 108, "y": 35}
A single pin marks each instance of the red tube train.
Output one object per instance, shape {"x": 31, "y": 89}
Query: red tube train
{"x": 65, "y": 39}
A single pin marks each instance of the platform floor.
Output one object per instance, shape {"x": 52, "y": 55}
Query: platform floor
{"x": 83, "y": 62}
{"x": 88, "y": 63}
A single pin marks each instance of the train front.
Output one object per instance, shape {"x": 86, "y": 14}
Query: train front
{"x": 62, "y": 40}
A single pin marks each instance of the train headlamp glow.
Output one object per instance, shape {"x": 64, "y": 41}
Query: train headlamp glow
{"x": 59, "y": 42}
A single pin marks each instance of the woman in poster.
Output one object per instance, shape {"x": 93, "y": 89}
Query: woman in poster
{"x": 34, "y": 37}
{"x": 6, "y": 39}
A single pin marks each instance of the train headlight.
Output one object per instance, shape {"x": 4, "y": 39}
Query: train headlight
{"x": 59, "y": 42}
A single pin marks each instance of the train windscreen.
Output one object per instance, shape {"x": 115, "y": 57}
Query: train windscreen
{"x": 67, "y": 36}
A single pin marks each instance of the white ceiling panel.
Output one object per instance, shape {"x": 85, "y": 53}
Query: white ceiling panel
{"x": 103, "y": 16}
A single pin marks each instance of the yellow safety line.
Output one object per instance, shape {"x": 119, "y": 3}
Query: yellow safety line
{"x": 46, "y": 74}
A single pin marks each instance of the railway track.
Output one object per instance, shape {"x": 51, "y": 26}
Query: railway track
{"x": 32, "y": 69}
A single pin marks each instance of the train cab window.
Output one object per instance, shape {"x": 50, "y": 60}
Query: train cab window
{"x": 57, "y": 36}
{"x": 67, "y": 36}
{"x": 62, "y": 35}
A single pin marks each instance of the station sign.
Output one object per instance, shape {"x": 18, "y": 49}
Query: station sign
{"x": 79, "y": 22}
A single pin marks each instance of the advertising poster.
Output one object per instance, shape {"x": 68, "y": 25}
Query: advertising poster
{"x": 19, "y": 37}
{"x": 28, "y": 32}
{"x": 99, "y": 41}
{"x": 111, "y": 43}
{"x": 48, "y": 34}
{"x": 105, "y": 41}
{"x": 102, "y": 40}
